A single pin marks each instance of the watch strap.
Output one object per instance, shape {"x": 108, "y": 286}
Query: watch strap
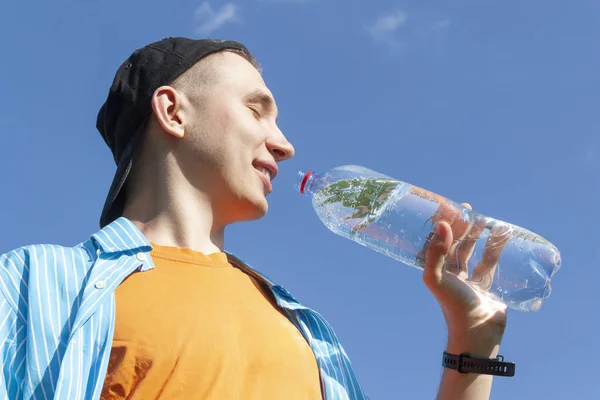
{"x": 465, "y": 363}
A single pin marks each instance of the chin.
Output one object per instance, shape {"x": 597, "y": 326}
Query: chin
{"x": 260, "y": 209}
{"x": 251, "y": 210}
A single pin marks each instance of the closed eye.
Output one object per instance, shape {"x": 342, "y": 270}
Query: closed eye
{"x": 264, "y": 102}
{"x": 255, "y": 112}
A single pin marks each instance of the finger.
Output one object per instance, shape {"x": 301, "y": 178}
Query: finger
{"x": 446, "y": 287}
{"x": 446, "y": 211}
{"x": 467, "y": 246}
{"x": 464, "y": 248}
{"x": 454, "y": 215}
{"x": 483, "y": 273}
{"x": 437, "y": 251}
{"x": 462, "y": 223}
{"x": 461, "y": 228}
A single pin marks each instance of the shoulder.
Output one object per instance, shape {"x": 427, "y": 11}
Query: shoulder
{"x": 30, "y": 255}
{"x": 27, "y": 262}
{"x": 22, "y": 264}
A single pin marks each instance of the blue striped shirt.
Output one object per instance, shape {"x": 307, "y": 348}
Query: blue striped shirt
{"x": 57, "y": 317}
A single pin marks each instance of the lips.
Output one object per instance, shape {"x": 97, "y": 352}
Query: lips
{"x": 266, "y": 182}
{"x": 268, "y": 168}
{"x": 266, "y": 171}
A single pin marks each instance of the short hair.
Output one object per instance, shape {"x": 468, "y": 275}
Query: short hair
{"x": 203, "y": 72}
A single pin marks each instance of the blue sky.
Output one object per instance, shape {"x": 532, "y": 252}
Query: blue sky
{"x": 494, "y": 103}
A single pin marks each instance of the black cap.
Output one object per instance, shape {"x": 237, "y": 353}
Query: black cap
{"x": 122, "y": 118}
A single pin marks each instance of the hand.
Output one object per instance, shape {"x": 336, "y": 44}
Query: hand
{"x": 476, "y": 323}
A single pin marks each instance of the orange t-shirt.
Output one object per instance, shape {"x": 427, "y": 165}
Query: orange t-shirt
{"x": 195, "y": 327}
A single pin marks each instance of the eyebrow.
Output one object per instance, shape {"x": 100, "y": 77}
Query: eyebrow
{"x": 264, "y": 99}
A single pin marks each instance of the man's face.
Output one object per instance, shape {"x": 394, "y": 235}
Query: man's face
{"x": 233, "y": 142}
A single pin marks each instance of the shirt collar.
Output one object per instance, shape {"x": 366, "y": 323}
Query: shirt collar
{"x": 284, "y": 298}
{"x": 121, "y": 235}
{"x": 238, "y": 262}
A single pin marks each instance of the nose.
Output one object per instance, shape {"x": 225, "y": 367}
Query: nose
{"x": 280, "y": 147}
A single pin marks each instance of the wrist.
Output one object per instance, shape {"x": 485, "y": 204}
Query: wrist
{"x": 480, "y": 351}
{"x": 478, "y": 344}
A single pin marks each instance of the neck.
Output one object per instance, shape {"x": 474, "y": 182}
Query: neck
{"x": 171, "y": 212}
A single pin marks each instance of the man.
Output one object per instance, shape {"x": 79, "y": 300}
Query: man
{"x": 151, "y": 306}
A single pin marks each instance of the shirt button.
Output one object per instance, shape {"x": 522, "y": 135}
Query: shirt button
{"x": 100, "y": 285}
{"x": 141, "y": 256}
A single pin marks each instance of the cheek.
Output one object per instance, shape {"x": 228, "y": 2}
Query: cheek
{"x": 212, "y": 131}
{"x": 233, "y": 134}
{"x": 243, "y": 129}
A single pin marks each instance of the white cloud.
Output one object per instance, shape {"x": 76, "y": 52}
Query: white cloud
{"x": 441, "y": 25}
{"x": 210, "y": 19}
{"x": 386, "y": 27}
{"x": 423, "y": 33}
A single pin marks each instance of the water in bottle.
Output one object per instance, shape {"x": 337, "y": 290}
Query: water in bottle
{"x": 506, "y": 262}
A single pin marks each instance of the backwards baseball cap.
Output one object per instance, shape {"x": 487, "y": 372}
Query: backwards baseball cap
{"x": 122, "y": 118}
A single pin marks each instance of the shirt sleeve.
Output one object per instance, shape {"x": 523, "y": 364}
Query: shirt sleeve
{"x": 13, "y": 332}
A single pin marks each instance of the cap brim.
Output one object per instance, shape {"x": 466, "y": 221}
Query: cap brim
{"x": 115, "y": 200}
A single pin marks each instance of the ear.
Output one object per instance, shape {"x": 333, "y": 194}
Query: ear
{"x": 167, "y": 106}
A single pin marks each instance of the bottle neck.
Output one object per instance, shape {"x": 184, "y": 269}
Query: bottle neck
{"x": 308, "y": 183}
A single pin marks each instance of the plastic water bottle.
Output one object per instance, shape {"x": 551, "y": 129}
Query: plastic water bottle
{"x": 506, "y": 262}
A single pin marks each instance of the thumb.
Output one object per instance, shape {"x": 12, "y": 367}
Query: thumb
{"x": 437, "y": 250}
{"x": 449, "y": 290}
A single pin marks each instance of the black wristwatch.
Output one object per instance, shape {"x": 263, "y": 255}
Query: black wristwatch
{"x": 464, "y": 363}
